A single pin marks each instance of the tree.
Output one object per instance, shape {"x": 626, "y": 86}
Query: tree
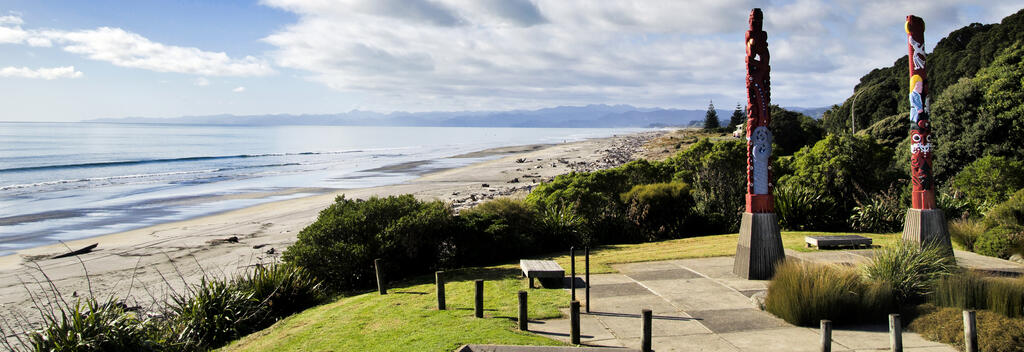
{"x": 711, "y": 118}
{"x": 737, "y": 117}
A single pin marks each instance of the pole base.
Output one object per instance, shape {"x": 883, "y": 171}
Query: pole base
{"x": 759, "y": 249}
{"x": 927, "y": 226}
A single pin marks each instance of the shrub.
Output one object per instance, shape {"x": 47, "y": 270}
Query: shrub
{"x": 213, "y": 313}
{"x": 659, "y": 210}
{"x": 717, "y": 174}
{"x": 803, "y": 294}
{"x": 798, "y": 206}
{"x": 1001, "y": 241}
{"x": 966, "y": 232}
{"x": 1009, "y": 213}
{"x": 283, "y": 288}
{"x": 793, "y": 130}
{"x": 89, "y": 325}
{"x": 996, "y": 333}
{"x": 882, "y": 212}
{"x": 503, "y": 228}
{"x": 409, "y": 235}
{"x": 910, "y": 269}
{"x": 989, "y": 181}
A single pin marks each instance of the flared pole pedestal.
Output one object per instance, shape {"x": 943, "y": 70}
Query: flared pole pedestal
{"x": 760, "y": 247}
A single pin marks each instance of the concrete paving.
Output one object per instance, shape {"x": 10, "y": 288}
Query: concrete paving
{"x": 699, "y": 305}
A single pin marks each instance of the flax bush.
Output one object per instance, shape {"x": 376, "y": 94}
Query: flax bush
{"x": 910, "y": 269}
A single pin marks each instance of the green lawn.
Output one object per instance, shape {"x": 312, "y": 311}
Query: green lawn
{"x": 406, "y": 319}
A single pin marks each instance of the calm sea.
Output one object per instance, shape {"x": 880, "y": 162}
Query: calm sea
{"x": 62, "y": 181}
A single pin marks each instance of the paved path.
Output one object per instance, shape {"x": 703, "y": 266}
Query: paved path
{"x": 699, "y": 305}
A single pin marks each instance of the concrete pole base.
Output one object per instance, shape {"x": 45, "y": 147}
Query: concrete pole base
{"x": 759, "y": 249}
{"x": 927, "y": 226}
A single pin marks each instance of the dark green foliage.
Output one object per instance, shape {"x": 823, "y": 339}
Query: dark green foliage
{"x": 738, "y": 117}
{"x": 836, "y": 166}
{"x": 660, "y": 210}
{"x": 89, "y": 325}
{"x": 283, "y": 288}
{"x": 804, "y": 294}
{"x": 882, "y": 212}
{"x": 981, "y": 116}
{"x": 910, "y": 269}
{"x": 1009, "y": 213}
{"x": 717, "y": 174}
{"x": 213, "y": 313}
{"x": 594, "y": 197}
{"x": 711, "y": 118}
{"x": 999, "y": 241}
{"x": 890, "y": 131}
{"x": 996, "y": 333}
{"x": 797, "y": 205}
{"x": 880, "y": 93}
{"x": 506, "y": 229}
{"x": 972, "y": 291}
{"x": 793, "y": 130}
{"x": 989, "y": 181}
{"x": 409, "y": 235}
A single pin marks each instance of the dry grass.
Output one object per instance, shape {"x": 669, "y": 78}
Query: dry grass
{"x": 671, "y": 143}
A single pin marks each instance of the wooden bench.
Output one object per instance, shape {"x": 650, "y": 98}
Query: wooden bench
{"x": 854, "y": 241}
{"x": 541, "y": 269}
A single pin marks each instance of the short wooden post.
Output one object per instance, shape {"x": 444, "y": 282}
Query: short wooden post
{"x": 645, "y": 340}
{"x": 523, "y": 319}
{"x": 970, "y": 331}
{"x": 574, "y": 322}
{"x": 826, "y": 335}
{"x": 440, "y": 289}
{"x": 479, "y": 298}
{"x": 572, "y": 269}
{"x": 380, "y": 277}
{"x": 895, "y": 333}
{"x": 586, "y": 268}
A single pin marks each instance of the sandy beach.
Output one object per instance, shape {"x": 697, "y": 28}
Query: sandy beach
{"x": 142, "y": 265}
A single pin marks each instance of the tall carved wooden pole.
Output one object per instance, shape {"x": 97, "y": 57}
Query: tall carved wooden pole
{"x": 925, "y": 223}
{"x": 760, "y": 245}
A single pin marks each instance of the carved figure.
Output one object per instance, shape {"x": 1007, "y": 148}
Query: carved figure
{"x": 759, "y": 136}
{"x": 920, "y": 128}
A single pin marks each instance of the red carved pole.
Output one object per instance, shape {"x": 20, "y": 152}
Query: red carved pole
{"x": 923, "y": 196}
{"x": 759, "y": 136}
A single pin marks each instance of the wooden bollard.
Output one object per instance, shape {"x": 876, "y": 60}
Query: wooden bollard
{"x": 572, "y": 269}
{"x": 645, "y": 339}
{"x": 826, "y": 335}
{"x": 970, "y": 331}
{"x": 479, "y": 311}
{"x": 523, "y": 319}
{"x": 895, "y": 333}
{"x": 586, "y": 269}
{"x": 574, "y": 322}
{"x": 380, "y": 277}
{"x": 440, "y": 289}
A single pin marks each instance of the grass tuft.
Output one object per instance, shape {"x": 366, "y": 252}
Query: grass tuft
{"x": 910, "y": 269}
{"x": 803, "y": 294}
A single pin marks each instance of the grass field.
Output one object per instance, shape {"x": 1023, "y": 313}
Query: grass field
{"x": 406, "y": 319}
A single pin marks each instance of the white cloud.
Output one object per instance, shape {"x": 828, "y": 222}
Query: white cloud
{"x": 238, "y": 89}
{"x": 463, "y": 54}
{"x": 202, "y": 81}
{"x": 126, "y": 49}
{"x": 41, "y": 73}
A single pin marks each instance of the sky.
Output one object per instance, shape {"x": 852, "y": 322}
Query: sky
{"x": 80, "y": 60}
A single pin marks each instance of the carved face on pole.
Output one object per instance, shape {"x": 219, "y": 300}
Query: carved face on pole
{"x": 923, "y": 196}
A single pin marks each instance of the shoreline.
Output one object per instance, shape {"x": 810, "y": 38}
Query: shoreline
{"x": 148, "y": 258}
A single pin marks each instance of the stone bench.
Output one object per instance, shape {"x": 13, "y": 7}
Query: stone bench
{"x": 541, "y": 269}
{"x": 854, "y": 241}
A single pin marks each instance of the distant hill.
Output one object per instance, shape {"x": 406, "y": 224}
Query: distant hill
{"x": 599, "y": 115}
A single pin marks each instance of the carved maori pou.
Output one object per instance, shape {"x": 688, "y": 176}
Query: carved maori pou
{"x": 923, "y": 196}
{"x": 759, "y": 136}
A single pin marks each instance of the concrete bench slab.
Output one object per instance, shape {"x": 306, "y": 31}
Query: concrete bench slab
{"x": 837, "y": 241}
{"x": 541, "y": 269}
{"x": 506, "y": 348}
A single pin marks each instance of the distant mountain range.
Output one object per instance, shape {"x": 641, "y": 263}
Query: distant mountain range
{"x": 562, "y": 116}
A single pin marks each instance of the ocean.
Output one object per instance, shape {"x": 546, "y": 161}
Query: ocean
{"x": 64, "y": 181}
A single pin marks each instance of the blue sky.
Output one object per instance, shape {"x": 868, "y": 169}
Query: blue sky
{"x": 75, "y": 60}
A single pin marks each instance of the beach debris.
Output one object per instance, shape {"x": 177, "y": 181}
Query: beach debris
{"x": 271, "y": 251}
{"x": 514, "y": 180}
{"x": 485, "y": 185}
{"x": 521, "y": 160}
{"x": 83, "y": 250}
{"x": 232, "y": 239}
{"x": 258, "y": 246}
{"x": 455, "y": 193}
